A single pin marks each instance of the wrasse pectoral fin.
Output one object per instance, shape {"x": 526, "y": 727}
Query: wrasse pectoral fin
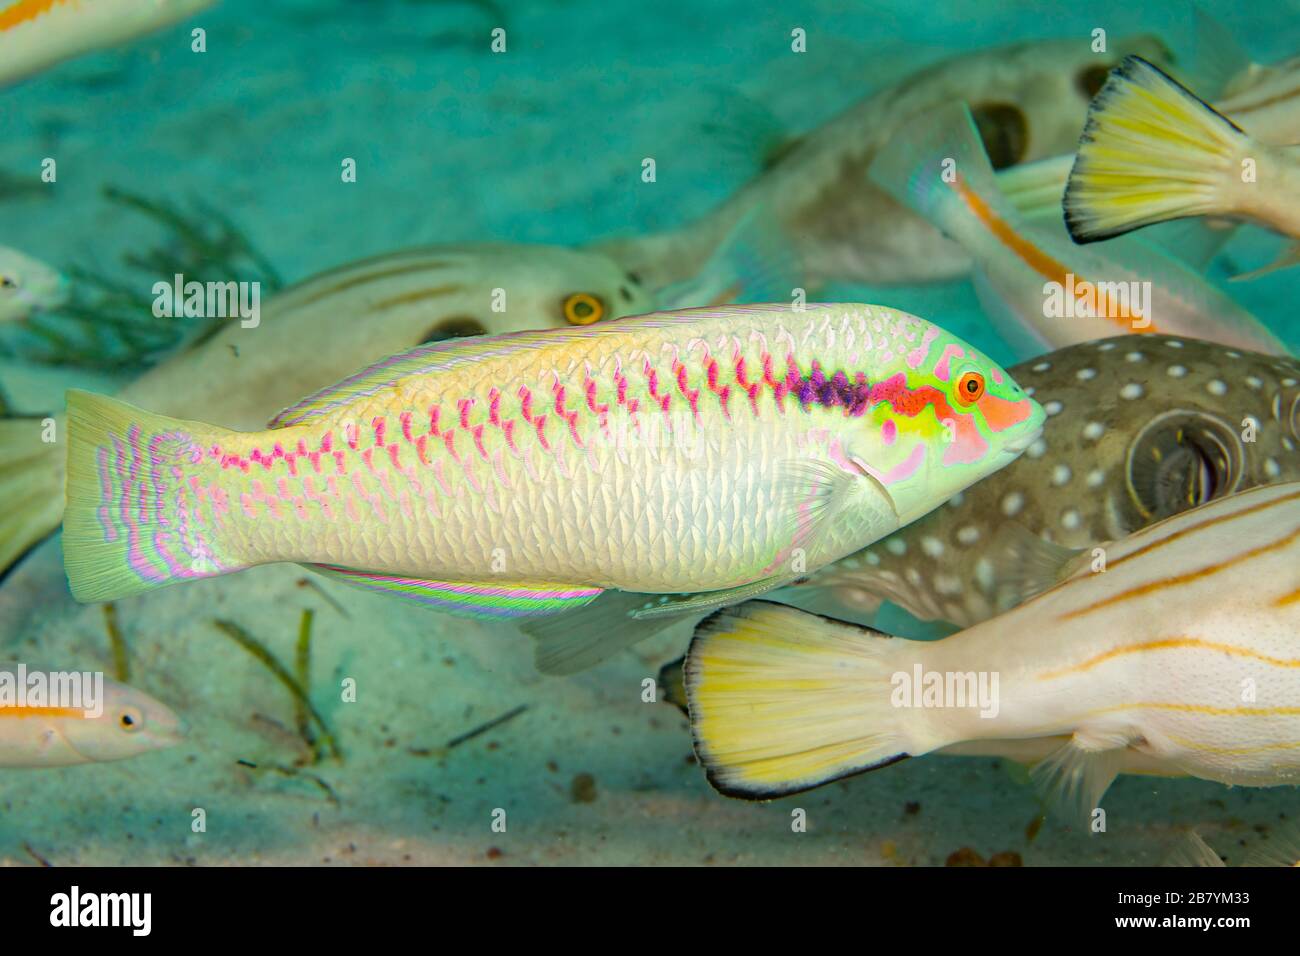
{"x": 1076, "y": 775}
{"x": 783, "y": 701}
{"x": 813, "y": 493}
{"x": 1028, "y": 564}
{"x": 486, "y": 600}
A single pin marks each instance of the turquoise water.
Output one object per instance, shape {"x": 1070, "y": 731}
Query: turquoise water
{"x": 453, "y": 143}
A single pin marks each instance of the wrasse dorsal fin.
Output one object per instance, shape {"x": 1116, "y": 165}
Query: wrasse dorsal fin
{"x": 486, "y": 600}
{"x": 1076, "y": 775}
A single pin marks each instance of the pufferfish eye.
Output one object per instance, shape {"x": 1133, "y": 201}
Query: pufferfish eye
{"x": 130, "y": 720}
{"x": 581, "y": 308}
{"x": 970, "y": 388}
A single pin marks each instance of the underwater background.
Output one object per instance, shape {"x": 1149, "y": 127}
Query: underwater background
{"x": 453, "y": 143}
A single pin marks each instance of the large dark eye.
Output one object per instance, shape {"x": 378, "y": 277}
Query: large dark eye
{"x": 130, "y": 720}
{"x": 1091, "y": 79}
{"x": 453, "y": 328}
{"x": 7, "y": 283}
{"x": 1005, "y": 132}
{"x": 1181, "y": 460}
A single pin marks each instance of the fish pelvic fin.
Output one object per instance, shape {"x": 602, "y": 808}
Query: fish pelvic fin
{"x": 31, "y": 480}
{"x": 1076, "y": 775}
{"x": 1193, "y": 851}
{"x": 782, "y": 701}
{"x": 135, "y": 486}
{"x": 1151, "y": 151}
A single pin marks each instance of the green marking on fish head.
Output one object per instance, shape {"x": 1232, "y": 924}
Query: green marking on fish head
{"x": 947, "y": 417}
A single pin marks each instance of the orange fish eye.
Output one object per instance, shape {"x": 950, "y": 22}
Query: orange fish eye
{"x": 970, "y": 388}
{"x": 583, "y": 309}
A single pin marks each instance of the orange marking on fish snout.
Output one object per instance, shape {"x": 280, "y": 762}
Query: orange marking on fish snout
{"x": 1001, "y": 413}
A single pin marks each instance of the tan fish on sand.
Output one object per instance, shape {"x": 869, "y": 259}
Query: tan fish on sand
{"x": 1138, "y": 429}
{"x": 36, "y": 34}
{"x": 1029, "y": 101}
{"x": 1182, "y": 655}
{"x": 56, "y": 719}
{"x": 320, "y": 330}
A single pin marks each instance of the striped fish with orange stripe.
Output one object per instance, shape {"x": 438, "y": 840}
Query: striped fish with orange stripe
{"x": 1174, "y": 651}
{"x": 1040, "y": 289}
{"x": 36, "y": 34}
{"x": 61, "y": 718}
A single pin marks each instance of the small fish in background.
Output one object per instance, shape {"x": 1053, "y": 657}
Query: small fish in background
{"x": 36, "y": 34}
{"x": 125, "y": 723}
{"x": 1264, "y": 100}
{"x": 28, "y": 285}
{"x": 1138, "y": 429}
{"x": 1028, "y": 99}
{"x": 722, "y": 450}
{"x": 1038, "y": 287}
{"x": 1152, "y": 151}
{"x": 365, "y": 310}
{"x": 1182, "y": 654}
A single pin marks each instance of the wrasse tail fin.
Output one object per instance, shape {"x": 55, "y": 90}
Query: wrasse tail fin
{"x": 134, "y": 519}
{"x": 1151, "y": 151}
{"x": 783, "y": 701}
{"x": 1076, "y": 775}
{"x": 487, "y": 600}
{"x": 31, "y": 479}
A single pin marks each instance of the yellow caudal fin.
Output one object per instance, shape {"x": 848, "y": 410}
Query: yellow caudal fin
{"x": 133, "y": 521}
{"x": 781, "y": 700}
{"x": 31, "y": 484}
{"x": 1151, "y": 151}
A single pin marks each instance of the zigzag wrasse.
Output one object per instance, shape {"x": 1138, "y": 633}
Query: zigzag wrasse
{"x": 61, "y": 718}
{"x": 350, "y": 315}
{"x": 724, "y": 450}
{"x": 1138, "y": 428}
{"x": 36, "y": 34}
{"x": 1029, "y": 100}
{"x": 1038, "y": 287}
{"x": 1182, "y": 657}
{"x": 1152, "y": 151}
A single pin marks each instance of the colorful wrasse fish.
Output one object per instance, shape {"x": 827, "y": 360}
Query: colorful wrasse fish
{"x": 1138, "y": 429}
{"x": 1152, "y": 151}
{"x": 364, "y": 310}
{"x": 1182, "y": 655}
{"x": 112, "y": 722}
{"x": 28, "y": 285}
{"x": 1029, "y": 101}
{"x": 36, "y": 34}
{"x": 723, "y": 450}
{"x": 1038, "y": 287}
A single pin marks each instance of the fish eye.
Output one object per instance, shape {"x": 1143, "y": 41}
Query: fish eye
{"x": 583, "y": 309}
{"x": 1091, "y": 79}
{"x": 970, "y": 388}
{"x": 7, "y": 283}
{"x": 1181, "y": 460}
{"x": 130, "y": 719}
{"x": 453, "y": 328}
{"x": 1004, "y": 131}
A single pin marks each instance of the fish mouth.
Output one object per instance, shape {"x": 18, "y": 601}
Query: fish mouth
{"x": 1018, "y": 446}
